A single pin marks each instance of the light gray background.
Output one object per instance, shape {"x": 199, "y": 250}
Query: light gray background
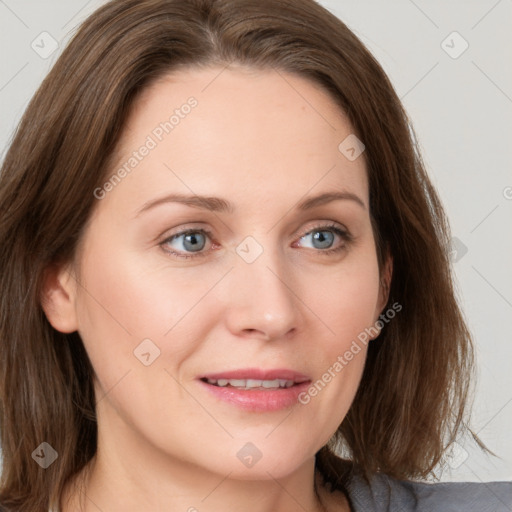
{"x": 461, "y": 109}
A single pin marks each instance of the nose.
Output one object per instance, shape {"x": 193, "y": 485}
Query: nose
{"x": 261, "y": 301}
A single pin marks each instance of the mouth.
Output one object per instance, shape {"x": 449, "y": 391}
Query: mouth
{"x": 256, "y": 390}
{"x": 252, "y": 383}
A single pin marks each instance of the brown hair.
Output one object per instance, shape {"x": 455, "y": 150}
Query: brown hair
{"x": 413, "y": 396}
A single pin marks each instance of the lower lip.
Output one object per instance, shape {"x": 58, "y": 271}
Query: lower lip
{"x": 258, "y": 400}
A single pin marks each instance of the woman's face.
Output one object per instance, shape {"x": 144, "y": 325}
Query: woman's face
{"x": 261, "y": 289}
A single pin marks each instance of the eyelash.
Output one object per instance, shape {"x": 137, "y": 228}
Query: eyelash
{"x": 344, "y": 235}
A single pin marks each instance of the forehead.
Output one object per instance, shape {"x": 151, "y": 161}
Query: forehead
{"x": 248, "y": 128}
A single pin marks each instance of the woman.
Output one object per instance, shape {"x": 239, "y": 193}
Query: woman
{"x": 225, "y": 275}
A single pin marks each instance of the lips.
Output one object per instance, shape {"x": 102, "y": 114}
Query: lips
{"x": 255, "y": 389}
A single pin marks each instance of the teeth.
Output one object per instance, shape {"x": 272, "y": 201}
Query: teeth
{"x": 237, "y": 383}
{"x": 252, "y": 383}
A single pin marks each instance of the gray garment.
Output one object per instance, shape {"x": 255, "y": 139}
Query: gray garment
{"x": 386, "y": 494}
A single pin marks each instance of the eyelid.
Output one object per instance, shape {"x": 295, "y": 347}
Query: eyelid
{"x": 325, "y": 225}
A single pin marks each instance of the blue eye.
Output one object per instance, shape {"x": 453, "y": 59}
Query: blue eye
{"x": 325, "y": 242}
{"x": 193, "y": 241}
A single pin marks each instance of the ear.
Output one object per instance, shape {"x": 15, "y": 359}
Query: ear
{"x": 385, "y": 282}
{"x": 58, "y": 298}
{"x": 384, "y": 287}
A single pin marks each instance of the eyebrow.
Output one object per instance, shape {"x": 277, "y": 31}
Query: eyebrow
{"x": 217, "y": 204}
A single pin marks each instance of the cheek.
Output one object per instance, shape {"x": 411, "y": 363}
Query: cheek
{"x": 346, "y": 298}
{"x": 347, "y": 308}
{"x": 128, "y": 298}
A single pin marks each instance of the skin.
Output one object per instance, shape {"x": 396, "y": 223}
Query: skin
{"x": 164, "y": 442}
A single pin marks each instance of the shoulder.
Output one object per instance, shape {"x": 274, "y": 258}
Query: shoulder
{"x": 385, "y": 493}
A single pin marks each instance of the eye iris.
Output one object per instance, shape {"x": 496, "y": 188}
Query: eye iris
{"x": 193, "y": 238}
{"x": 319, "y": 236}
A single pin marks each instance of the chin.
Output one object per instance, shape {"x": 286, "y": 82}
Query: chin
{"x": 275, "y": 465}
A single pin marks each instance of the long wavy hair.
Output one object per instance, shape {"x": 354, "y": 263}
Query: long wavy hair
{"x": 414, "y": 395}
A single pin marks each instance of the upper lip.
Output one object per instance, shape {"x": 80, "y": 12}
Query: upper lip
{"x": 258, "y": 374}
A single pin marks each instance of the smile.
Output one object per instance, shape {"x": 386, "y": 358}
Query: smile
{"x": 256, "y": 390}
{"x": 252, "y": 383}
